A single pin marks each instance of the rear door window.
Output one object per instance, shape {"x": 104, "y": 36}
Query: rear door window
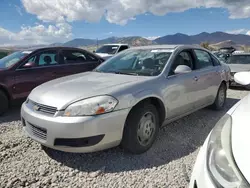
{"x": 76, "y": 57}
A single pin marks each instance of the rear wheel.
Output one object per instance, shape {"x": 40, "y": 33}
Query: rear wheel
{"x": 220, "y": 98}
{"x": 141, "y": 129}
{"x": 4, "y": 103}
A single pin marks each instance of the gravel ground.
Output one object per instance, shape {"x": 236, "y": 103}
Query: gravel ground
{"x": 168, "y": 164}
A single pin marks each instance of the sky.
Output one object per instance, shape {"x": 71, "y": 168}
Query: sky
{"x": 28, "y": 22}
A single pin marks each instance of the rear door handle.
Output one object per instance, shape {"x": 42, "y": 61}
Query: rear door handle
{"x": 196, "y": 78}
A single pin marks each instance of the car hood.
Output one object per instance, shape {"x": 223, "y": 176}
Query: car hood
{"x": 241, "y": 136}
{"x": 239, "y": 67}
{"x": 66, "y": 90}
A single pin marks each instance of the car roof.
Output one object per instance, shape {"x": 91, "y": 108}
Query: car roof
{"x": 52, "y": 48}
{"x": 118, "y": 44}
{"x": 173, "y": 47}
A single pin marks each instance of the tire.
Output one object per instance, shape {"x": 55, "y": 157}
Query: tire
{"x": 44, "y": 148}
{"x": 142, "y": 121}
{"x": 220, "y": 100}
{"x": 4, "y": 103}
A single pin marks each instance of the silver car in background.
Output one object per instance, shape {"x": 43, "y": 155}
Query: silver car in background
{"x": 239, "y": 62}
{"x": 125, "y": 100}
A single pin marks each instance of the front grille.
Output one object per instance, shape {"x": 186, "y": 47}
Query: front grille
{"x": 38, "y": 131}
{"x": 43, "y": 108}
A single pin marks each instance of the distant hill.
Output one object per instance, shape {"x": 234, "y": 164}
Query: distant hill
{"x": 133, "y": 41}
{"x": 215, "y": 37}
{"x": 177, "y": 38}
{"x": 227, "y": 43}
{"x": 79, "y": 42}
{"x": 56, "y": 44}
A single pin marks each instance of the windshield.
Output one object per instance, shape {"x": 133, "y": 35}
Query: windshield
{"x": 11, "y": 59}
{"x": 137, "y": 62}
{"x": 109, "y": 49}
{"x": 239, "y": 59}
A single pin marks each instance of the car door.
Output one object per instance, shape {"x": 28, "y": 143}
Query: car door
{"x": 208, "y": 78}
{"x": 180, "y": 91}
{"x": 73, "y": 61}
{"x": 44, "y": 65}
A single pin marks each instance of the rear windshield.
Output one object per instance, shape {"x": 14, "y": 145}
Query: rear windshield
{"x": 239, "y": 59}
{"x": 109, "y": 49}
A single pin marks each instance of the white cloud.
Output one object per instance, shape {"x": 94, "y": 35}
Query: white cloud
{"x": 120, "y": 11}
{"x": 239, "y": 31}
{"x": 38, "y": 34}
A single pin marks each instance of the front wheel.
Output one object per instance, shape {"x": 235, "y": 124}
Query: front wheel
{"x": 141, "y": 129}
{"x": 220, "y": 98}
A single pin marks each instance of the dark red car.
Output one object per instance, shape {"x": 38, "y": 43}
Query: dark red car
{"x": 22, "y": 71}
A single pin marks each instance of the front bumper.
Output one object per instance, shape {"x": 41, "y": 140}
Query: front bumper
{"x": 200, "y": 177}
{"x": 75, "y": 134}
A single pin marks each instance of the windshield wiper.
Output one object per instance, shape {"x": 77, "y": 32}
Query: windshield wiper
{"x": 95, "y": 70}
{"x": 125, "y": 73}
{"x": 117, "y": 72}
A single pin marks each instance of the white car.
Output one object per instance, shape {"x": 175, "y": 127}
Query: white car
{"x": 224, "y": 159}
{"x": 109, "y": 50}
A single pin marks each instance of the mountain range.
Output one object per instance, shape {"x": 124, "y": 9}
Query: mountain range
{"x": 177, "y": 38}
{"x": 133, "y": 41}
{"x": 212, "y": 38}
{"x": 216, "y": 39}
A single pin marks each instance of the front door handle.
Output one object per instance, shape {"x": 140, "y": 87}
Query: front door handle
{"x": 196, "y": 78}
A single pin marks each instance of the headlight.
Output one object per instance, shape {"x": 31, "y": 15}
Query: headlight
{"x": 220, "y": 161}
{"x": 91, "y": 106}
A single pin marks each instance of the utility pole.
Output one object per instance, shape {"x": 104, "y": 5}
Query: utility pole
{"x": 97, "y": 43}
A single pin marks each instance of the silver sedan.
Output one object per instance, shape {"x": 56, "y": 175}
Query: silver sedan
{"x": 125, "y": 100}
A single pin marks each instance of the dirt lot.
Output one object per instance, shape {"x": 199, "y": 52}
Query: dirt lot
{"x": 168, "y": 164}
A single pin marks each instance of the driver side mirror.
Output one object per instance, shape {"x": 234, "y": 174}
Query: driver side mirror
{"x": 242, "y": 78}
{"x": 181, "y": 69}
{"x": 29, "y": 65}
